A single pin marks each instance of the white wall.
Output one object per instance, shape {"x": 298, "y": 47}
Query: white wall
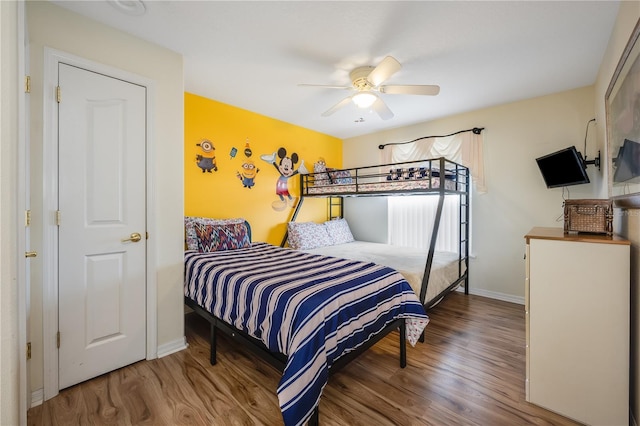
{"x": 517, "y": 198}
{"x": 60, "y": 29}
{"x": 626, "y": 223}
{"x": 9, "y": 367}
{"x": 367, "y": 217}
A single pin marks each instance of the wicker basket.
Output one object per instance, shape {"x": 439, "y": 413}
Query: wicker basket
{"x": 593, "y": 216}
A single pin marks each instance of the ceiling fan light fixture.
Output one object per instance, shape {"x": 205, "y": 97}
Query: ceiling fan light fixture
{"x": 364, "y": 99}
{"x": 366, "y": 83}
{"x": 129, "y": 7}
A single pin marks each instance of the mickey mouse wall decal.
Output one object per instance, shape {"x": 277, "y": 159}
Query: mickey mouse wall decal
{"x": 285, "y": 167}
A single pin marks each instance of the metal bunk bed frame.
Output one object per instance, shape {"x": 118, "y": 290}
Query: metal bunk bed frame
{"x": 461, "y": 178}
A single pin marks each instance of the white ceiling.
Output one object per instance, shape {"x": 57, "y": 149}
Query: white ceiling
{"x": 253, "y": 54}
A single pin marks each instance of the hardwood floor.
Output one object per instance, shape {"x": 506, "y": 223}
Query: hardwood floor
{"x": 469, "y": 371}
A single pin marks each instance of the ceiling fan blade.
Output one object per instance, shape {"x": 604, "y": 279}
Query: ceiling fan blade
{"x": 337, "y": 106}
{"x": 325, "y": 86}
{"x": 382, "y": 109}
{"x": 383, "y": 71}
{"x": 410, "y": 89}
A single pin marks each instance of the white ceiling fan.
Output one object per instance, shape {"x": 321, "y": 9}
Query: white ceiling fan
{"x": 366, "y": 82}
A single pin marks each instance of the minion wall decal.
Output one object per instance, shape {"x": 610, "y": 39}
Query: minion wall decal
{"x": 247, "y": 150}
{"x": 207, "y": 161}
{"x": 249, "y": 170}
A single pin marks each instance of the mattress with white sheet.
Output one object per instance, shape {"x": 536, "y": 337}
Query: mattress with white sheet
{"x": 410, "y": 262}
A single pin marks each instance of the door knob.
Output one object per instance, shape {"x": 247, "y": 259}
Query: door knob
{"x": 30, "y": 253}
{"x": 134, "y": 238}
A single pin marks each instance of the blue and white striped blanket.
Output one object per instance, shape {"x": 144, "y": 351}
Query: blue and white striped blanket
{"x": 311, "y": 308}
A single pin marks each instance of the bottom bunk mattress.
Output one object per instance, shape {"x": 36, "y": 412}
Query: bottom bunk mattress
{"x": 410, "y": 262}
{"x": 311, "y": 308}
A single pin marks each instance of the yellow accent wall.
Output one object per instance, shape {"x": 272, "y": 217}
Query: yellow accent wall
{"x": 221, "y": 194}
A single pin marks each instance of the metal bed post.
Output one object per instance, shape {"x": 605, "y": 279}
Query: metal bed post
{"x": 295, "y": 211}
{"x": 212, "y": 343}
{"x": 314, "y": 420}
{"x": 465, "y": 201}
{"x": 434, "y": 233}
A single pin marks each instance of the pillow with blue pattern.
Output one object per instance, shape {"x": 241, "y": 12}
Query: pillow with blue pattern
{"x": 218, "y": 237}
{"x": 190, "y": 231}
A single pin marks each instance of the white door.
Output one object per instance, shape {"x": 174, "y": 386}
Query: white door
{"x": 102, "y": 275}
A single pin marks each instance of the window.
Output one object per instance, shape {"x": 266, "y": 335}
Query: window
{"x": 410, "y": 219}
{"x": 410, "y": 222}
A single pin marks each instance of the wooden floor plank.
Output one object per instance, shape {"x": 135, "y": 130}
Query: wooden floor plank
{"x": 469, "y": 371}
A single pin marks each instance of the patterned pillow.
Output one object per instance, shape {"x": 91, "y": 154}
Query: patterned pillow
{"x": 340, "y": 177}
{"x": 190, "y": 231}
{"x": 320, "y": 175}
{"x": 220, "y": 237}
{"x": 394, "y": 174}
{"x": 339, "y": 231}
{"x": 308, "y": 235}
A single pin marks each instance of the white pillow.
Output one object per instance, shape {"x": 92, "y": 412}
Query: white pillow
{"x": 308, "y": 235}
{"x": 339, "y": 231}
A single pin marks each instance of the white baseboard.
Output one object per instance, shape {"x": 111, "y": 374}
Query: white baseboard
{"x": 172, "y": 347}
{"x": 37, "y": 397}
{"x": 495, "y": 295}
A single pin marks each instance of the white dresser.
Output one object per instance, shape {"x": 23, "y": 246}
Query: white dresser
{"x": 577, "y": 325}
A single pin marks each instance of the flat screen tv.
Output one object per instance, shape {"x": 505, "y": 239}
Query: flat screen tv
{"x": 563, "y": 168}
{"x": 627, "y": 163}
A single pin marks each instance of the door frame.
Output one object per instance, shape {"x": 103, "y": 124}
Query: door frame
{"x": 50, "y": 205}
{"x": 22, "y": 206}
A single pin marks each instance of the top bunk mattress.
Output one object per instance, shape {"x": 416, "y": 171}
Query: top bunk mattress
{"x": 410, "y": 262}
{"x": 391, "y": 186}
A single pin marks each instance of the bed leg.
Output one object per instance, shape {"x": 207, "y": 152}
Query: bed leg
{"x": 314, "y": 420}
{"x": 421, "y": 338}
{"x": 403, "y": 344}
{"x": 212, "y": 345}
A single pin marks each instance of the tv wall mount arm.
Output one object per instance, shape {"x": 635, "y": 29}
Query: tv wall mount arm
{"x": 595, "y": 161}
